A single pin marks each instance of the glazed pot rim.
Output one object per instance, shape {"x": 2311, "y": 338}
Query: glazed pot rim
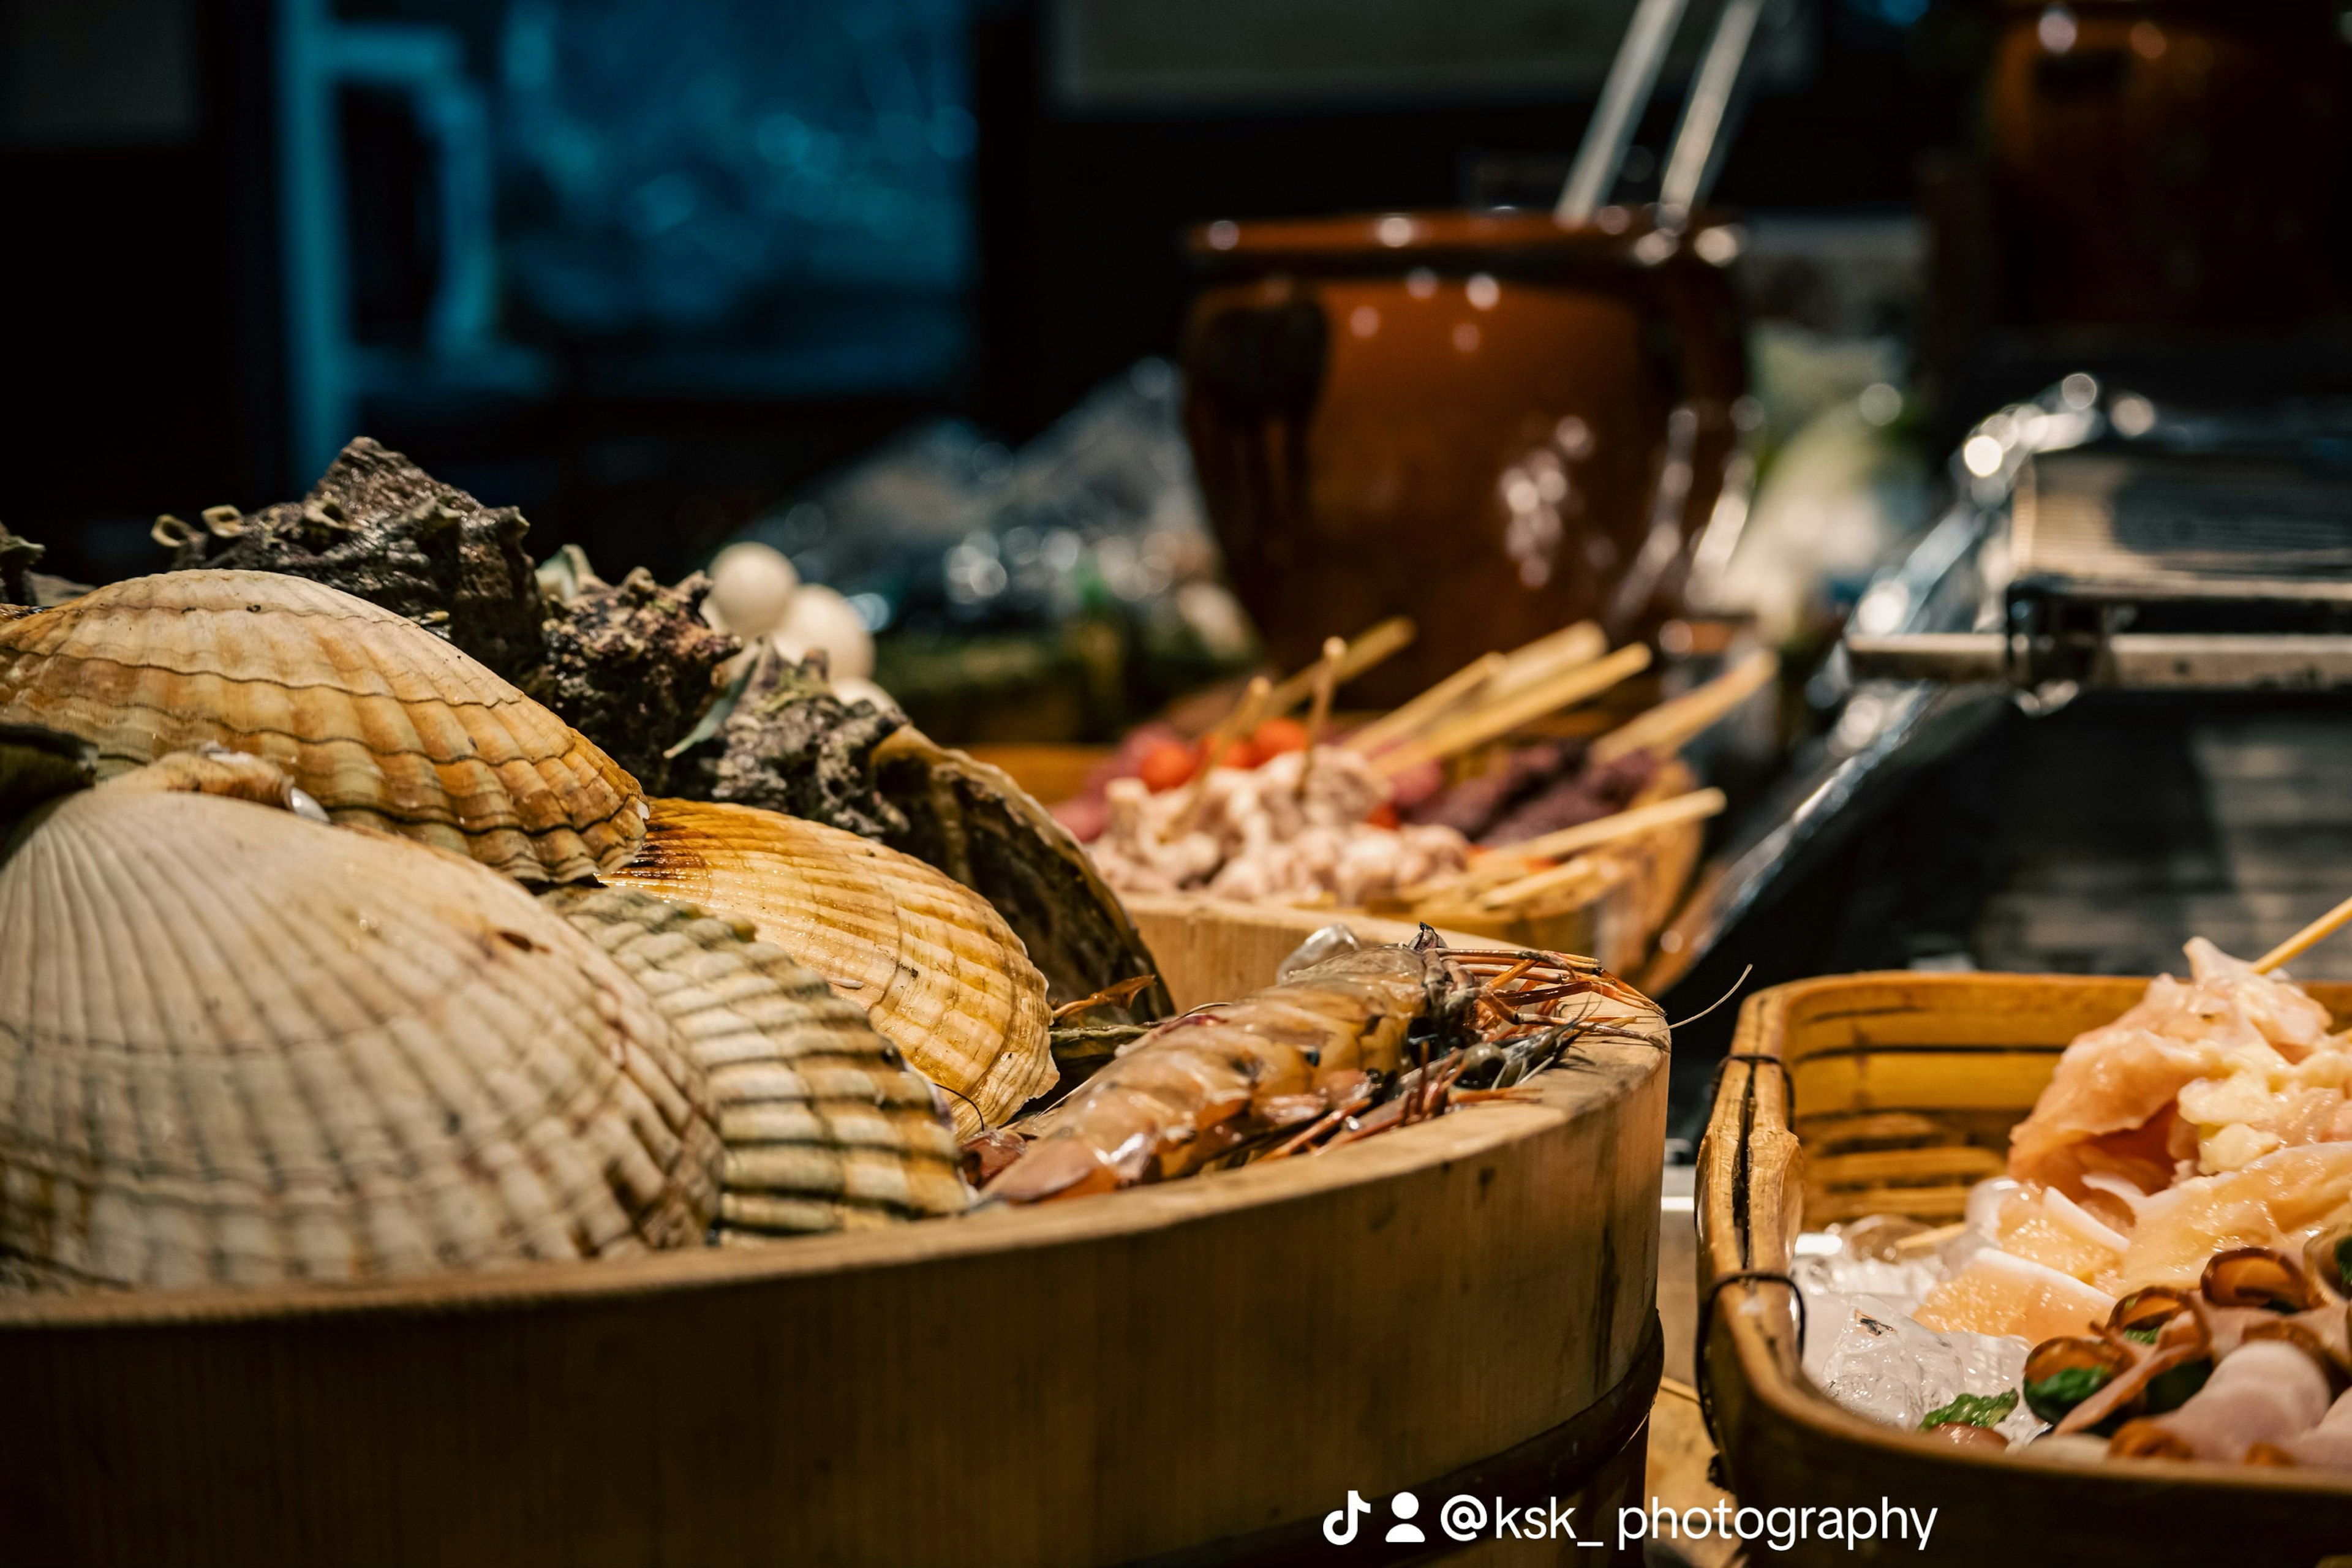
{"x": 1445, "y": 239}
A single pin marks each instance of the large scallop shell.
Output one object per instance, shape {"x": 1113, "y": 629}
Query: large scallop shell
{"x": 941, "y": 975}
{"x": 973, "y": 822}
{"x": 382, "y": 722}
{"x": 239, "y": 1047}
{"x": 826, "y": 1126}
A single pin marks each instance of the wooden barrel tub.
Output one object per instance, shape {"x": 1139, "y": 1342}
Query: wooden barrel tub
{"x": 1190, "y": 1374}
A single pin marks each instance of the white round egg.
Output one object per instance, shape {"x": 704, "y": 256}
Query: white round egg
{"x": 821, "y": 619}
{"x": 752, "y": 588}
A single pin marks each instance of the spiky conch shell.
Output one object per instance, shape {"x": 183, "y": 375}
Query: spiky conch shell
{"x": 826, "y": 1126}
{"x": 383, "y": 724}
{"x": 237, "y": 1048}
{"x": 937, "y": 970}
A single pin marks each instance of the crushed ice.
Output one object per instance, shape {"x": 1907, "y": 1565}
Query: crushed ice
{"x": 1862, "y": 1347}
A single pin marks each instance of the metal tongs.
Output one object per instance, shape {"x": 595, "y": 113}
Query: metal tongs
{"x": 1697, "y": 155}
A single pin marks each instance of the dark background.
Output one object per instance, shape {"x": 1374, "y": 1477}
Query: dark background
{"x": 148, "y": 349}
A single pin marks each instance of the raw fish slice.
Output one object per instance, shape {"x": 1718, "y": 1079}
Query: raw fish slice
{"x": 1999, "y": 1294}
{"x": 2044, "y": 1225}
{"x": 2279, "y": 1201}
{"x": 2109, "y": 1106}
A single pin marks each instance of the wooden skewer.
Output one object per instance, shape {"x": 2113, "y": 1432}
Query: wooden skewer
{"x": 1408, "y": 719}
{"x": 1517, "y": 861}
{"x": 1527, "y": 890}
{"x": 1672, "y": 723}
{"x": 1327, "y": 681}
{"x": 1692, "y": 807}
{"x": 1504, "y": 715}
{"x": 1375, "y": 645}
{"x": 1244, "y": 717}
{"x": 1549, "y": 655}
{"x": 2306, "y": 939}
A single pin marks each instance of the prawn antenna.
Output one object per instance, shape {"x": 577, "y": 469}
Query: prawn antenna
{"x": 1719, "y": 1001}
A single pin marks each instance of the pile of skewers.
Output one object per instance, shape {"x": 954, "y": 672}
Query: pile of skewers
{"x": 1426, "y": 811}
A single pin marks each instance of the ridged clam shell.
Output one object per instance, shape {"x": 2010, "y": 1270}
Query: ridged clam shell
{"x": 826, "y": 1126}
{"x": 382, "y": 722}
{"x": 937, "y": 970}
{"x": 237, "y": 1048}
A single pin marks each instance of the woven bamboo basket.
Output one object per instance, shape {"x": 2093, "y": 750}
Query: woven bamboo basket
{"x": 1190, "y": 1374}
{"x": 1891, "y": 1093}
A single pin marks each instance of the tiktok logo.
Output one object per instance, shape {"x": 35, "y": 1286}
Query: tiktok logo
{"x": 1339, "y": 1524}
{"x": 1339, "y": 1533}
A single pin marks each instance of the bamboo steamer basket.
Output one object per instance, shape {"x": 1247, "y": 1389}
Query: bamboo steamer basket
{"x": 1188, "y": 1374}
{"x": 1941, "y": 1065}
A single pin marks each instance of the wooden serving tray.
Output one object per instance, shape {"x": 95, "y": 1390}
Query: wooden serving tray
{"x": 1917, "y": 1078}
{"x": 1194, "y": 1373}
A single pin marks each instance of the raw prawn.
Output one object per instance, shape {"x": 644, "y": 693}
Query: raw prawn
{"x": 1293, "y": 1065}
{"x": 1196, "y": 1088}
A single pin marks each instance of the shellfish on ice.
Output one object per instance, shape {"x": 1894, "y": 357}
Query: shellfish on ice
{"x": 239, "y": 1047}
{"x": 382, "y": 722}
{"x": 826, "y": 1126}
{"x": 936, "y": 969}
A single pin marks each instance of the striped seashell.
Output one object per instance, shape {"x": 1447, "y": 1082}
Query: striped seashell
{"x": 973, "y": 822}
{"x": 826, "y": 1126}
{"x": 937, "y": 970}
{"x": 237, "y": 1048}
{"x": 382, "y": 722}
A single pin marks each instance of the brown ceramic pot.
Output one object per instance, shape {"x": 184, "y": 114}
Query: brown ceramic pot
{"x": 1474, "y": 419}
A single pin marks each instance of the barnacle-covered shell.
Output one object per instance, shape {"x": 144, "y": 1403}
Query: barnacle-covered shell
{"x": 826, "y": 1126}
{"x": 382, "y": 722}
{"x": 936, "y": 969}
{"x": 237, "y": 1048}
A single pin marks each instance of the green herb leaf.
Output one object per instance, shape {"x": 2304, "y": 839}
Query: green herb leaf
{"x": 1972, "y": 1410}
{"x": 2062, "y": 1391}
{"x": 2145, "y": 1336}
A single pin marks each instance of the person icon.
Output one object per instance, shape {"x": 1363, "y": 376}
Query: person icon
{"x": 1404, "y": 1505}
